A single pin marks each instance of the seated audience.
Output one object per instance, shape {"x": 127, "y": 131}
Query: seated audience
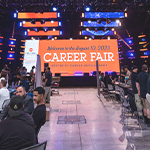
{"x": 24, "y": 83}
{"x": 27, "y": 102}
{"x": 39, "y": 114}
{"x": 17, "y": 131}
{"x": 4, "y": 92}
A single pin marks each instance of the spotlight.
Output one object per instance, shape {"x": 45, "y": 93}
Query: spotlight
{"x": 25, "y": 33}
{"x": 33, "y": 21}
{"x": 89, "y": 21}
{"x": 45, "y": 29}
{"x": 36, "y": 30}
{"x": 12, "y": 42}
{"x": 99, "y": 21}
{"x": 145, "y": 53}
{"x": 96, "y": 29}
{"x": 108, "y": 21}
{"x": 15, "y": 15}
{"x": 52, "y": 21}
{"x": 117, "y": 21}
{"x": 130, "y": 41}
{"x": 20, "y": 24}
{"x": 54, "y": 9}
{"x": 131, "y": 54}
{"x": 42, "y": 21}
{"x": 60, "y": 32}
{"x": 10, "y": 55}
{"x": 59, "y": 23}
{"x": 105, "y": 29}
{"x": 143, "y": 39}
{"x": 87, "y": 9}
{"x": 108, "y": 37}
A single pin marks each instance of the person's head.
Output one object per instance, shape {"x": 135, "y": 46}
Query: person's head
{"x": 110, "y": 75}
{"x": 135, "y": 69}
{"x": 126, "y": 68}
{"x": 15, "y": 106}
{"x": 38, "y": 95}
{"x": 23, "y": 68}
{"x": 5, "y": 66}
{"x": 33, "y": 67}
{"x": 48, "y": 69}
{"x": 21, "y": 91}
{"x": 145, "y": 68}
{"x": 22, "y": 78}
{"x": 102, "y": 74}
{"x": 3, "y": 83}
{"x": 106, "y": 73}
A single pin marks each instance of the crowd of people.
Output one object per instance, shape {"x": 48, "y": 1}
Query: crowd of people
{"x": 140, "y": 83}
{"x": 23, "y": 116}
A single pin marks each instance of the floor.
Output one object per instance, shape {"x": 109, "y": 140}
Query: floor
{"x": 103, "y": 129}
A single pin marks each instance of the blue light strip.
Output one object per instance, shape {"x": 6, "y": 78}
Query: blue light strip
{"x": 104, "y": 15}
{"x": 102, "y": 24}
{"x": 100, "y": 32}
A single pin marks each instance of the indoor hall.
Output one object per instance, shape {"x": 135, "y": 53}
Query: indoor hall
{"x": 103, "y": 128}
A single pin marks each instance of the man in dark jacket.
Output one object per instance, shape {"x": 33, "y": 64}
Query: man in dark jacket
{"x": 27, "y": 102}
{"x": 138, "y": 100}
{"x": 17, "y": 131}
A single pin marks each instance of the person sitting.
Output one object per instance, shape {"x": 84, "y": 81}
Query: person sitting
{"x": 17, "y": 131}
{"x": 39, "y": 113}
{"x": 24, "y": 83}
{"x": 27, "y": 101}
{"x": 4, "y": 92}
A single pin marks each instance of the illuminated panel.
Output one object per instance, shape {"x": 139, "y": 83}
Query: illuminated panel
{"x": 102, "y": 24}
{"x": 74, "y": 56}
{"x": 142, "y": 42}
{"x": 100, "y": 32}
{"x": 31, "y": 15}
{"x": 38, "y": 24}
{"x": 140, "y": 36}
{"x": 10, "y": 58}
{"x": 104, "y": 15}
{"x": 144, "y": 56}
{"x": 42, "y": 33}
{"x": 11, "y": 51}
{"x": 144, "y": 49}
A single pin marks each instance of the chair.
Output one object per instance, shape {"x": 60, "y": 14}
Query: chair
{"x": 5, "y": 103}
{"x": 40, "y": 146}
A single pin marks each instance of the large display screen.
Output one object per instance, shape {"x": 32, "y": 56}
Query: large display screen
{"x": 71, "y": 57}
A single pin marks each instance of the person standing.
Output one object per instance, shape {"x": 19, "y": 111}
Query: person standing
{"x": 4, "y": 93}
{"x": 39, "y": 113}
{"x": 137, "y": 98}
{"x": 17, "y": 131}
{"x": 47, "y": 85}
{"x": 141, "y": 85}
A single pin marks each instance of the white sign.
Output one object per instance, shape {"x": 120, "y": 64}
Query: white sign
{"x": 31, "y": 52}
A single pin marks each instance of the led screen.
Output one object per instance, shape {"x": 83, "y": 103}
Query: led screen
{"x": 76, "y": 56}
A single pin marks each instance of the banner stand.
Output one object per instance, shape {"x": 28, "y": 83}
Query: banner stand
{"x": 38, "y": 78}
{"x": 98, "y": 85}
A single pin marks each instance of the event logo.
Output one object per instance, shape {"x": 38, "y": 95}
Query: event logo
{"x": 31, "y": 49}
